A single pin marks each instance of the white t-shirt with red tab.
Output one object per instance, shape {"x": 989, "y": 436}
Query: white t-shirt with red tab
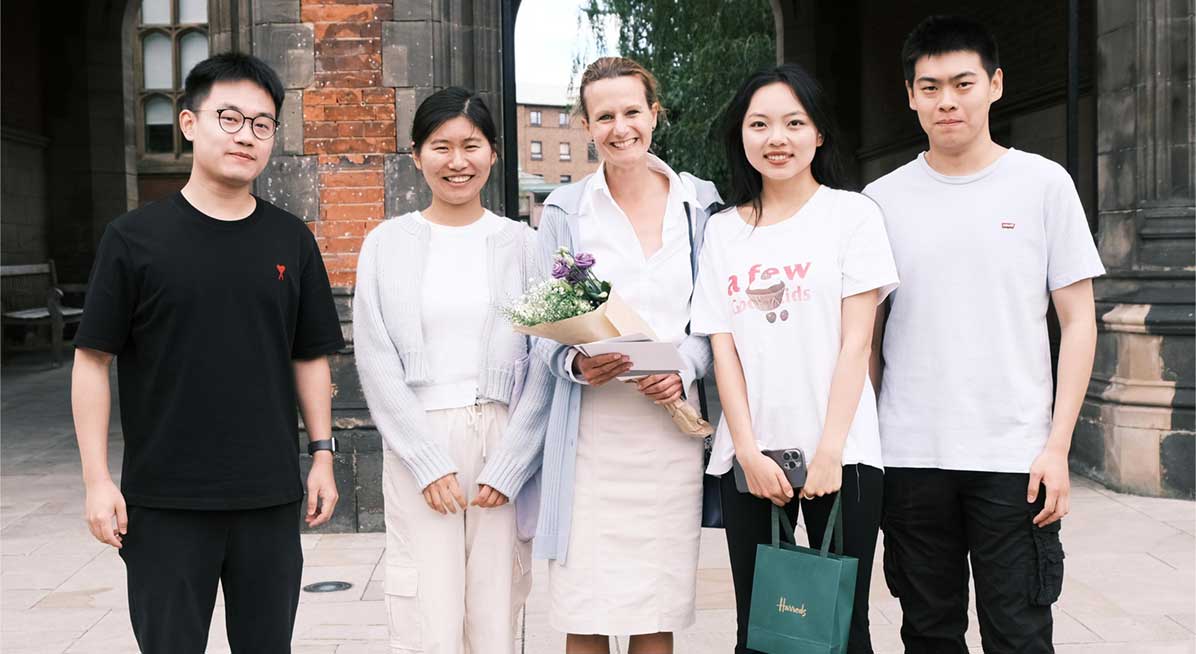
{"x": 778, "y": 291}
{"x": 967, "y": 380}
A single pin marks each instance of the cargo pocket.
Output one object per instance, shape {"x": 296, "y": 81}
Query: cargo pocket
{"x": 521, "y": 576}
{"x": 403, "y": 610}
{"x": 1046, "y": 582}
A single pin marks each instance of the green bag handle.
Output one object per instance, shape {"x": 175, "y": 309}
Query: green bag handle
{"x": 780, "y": 519}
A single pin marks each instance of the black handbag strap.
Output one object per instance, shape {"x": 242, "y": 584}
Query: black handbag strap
{"x": 834, "y": 522}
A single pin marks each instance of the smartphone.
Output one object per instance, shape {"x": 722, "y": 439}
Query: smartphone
{"x": 791, "y": 460}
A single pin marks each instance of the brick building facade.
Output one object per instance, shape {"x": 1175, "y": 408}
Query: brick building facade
{"x": 553, "y": 144}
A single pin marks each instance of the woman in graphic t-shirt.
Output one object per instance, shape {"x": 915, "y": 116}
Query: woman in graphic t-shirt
{"x": 789, "y": 281}
{"x": 442, "y": 370}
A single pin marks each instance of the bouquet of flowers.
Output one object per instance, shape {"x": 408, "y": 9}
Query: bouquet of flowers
{"x": 575, "y": 307}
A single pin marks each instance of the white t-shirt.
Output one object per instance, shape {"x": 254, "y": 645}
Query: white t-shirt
{"x": 967, "y": 378}
{"x": 455, "y": 298}
{"x": 778, "y": 291}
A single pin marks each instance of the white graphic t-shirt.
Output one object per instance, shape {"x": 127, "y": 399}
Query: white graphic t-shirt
{"x": 967, "y": 377}
{"x": 778, "y": 291}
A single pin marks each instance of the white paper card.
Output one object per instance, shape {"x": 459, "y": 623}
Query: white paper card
{"x": 648, "y": 357}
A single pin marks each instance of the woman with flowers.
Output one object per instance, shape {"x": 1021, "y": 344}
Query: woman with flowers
{"x": 620, "y": 514}
{"x": 443, "y": 373}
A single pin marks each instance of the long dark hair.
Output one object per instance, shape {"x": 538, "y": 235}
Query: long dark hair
{"x": 746, "y": 183}
{"x": 445, "y": 105}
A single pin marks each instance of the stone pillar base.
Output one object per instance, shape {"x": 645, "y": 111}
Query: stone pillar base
{"x": 1135, "y": 433}
{"x": 1134, "y": 450}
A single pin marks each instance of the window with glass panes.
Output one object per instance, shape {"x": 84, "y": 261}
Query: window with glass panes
{"x": 563, "y": 117}
{"x": 565, "y": 152}
{"x": 172, "y": 36}
{"x": 537, "y": 150}
{"x": 536, "y": 118}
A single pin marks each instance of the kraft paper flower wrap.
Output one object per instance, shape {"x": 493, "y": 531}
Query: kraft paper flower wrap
{"x": 575, "y": 307}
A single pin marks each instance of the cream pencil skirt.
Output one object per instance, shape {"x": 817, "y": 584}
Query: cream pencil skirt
{"x": 455, "y": 583}
{"x": 637, "y": 511}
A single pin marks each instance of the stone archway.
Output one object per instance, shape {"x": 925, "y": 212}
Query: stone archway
{"x": 1137, "y": 430}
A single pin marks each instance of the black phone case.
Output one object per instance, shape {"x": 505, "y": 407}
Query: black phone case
{"x": 792, "y": 461}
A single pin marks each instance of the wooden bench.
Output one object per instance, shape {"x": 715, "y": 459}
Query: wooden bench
{"x": 32, "y": 296}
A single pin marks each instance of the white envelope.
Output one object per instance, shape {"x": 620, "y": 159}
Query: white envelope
{"x": 648, "y": 356}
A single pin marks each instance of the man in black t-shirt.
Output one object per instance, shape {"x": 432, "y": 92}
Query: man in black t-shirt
{"x": 217, "y": 308}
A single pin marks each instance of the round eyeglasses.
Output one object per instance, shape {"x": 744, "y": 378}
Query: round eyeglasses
{"x": 231, "y": 121}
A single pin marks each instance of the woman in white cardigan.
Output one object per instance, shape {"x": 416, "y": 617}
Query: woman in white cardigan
{"x": 444, "y": 376}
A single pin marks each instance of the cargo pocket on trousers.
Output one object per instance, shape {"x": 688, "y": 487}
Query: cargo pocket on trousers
{"x": 1047, "y": 581}
{"x": 403, "y": 610}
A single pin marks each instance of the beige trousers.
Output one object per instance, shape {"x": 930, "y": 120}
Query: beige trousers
{"x": 455, "y": 583}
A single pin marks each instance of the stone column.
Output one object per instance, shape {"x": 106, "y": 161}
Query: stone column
{"x": 1136, "y": 430}
{"x": 355, "y": 70}
{"x": 431, "y": 45}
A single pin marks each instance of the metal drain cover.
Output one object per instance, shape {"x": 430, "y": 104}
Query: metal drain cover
{"x": 327, "y": 586}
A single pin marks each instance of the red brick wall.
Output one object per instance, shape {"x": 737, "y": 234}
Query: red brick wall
{"x": 349, "y": 122}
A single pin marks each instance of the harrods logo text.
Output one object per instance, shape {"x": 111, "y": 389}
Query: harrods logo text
{"x": 784, "y": 607}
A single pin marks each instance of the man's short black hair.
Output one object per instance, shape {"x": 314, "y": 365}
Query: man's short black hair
{"x": 231, "y": 67}
{"x": 938, "y": 35}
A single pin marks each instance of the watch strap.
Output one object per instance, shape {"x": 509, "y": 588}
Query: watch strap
{"x": 328, "y": 444}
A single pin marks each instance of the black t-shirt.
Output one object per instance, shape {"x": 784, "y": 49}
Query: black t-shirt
{"x": 204, "y": 317}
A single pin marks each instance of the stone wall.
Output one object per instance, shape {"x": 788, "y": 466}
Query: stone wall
{"x": 355, "y": 72}
{"x": 1137, "y": 429}
{"x": 22, "y": 142}
{"x": 22, "y": 197}
{"x": 1136, "y": 135}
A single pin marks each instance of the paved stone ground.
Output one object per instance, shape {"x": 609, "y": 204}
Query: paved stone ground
{"x": 1130, "y": 585}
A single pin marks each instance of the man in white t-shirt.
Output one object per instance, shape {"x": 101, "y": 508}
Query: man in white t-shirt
{"x": 985, "y": 239}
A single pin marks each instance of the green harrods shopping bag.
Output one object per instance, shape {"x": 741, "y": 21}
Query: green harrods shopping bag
{"x": 801, "y": 597}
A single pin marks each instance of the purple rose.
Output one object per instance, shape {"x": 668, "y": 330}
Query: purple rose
{"x": 559, "y": 269}
{"x": 584, "y": 260}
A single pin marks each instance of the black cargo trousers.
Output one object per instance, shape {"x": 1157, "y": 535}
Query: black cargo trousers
{"x": 935, "y": 520}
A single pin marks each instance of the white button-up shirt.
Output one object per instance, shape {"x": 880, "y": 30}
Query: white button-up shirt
{"x": 659, "y": 286}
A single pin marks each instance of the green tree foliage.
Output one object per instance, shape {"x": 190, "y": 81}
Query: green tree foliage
{"x": 700, "y": 51}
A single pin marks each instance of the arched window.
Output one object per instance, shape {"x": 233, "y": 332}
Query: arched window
{"x": 172, "y": 36}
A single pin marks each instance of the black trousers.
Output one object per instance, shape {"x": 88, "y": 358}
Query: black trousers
{"x": 748, "y": 522}
{"x": 934, "y": 521}
{"x": 175, "y": 559}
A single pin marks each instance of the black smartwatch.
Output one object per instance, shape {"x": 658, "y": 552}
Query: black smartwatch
{"x": 326, "y": 444}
